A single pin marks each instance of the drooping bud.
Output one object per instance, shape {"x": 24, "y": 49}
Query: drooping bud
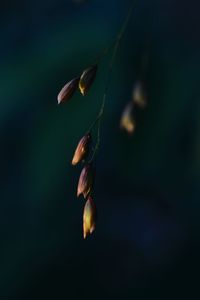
{"x": 89, "y": 217}
{"x": 87, "y": 79}
{"x": 127, "y": 120}
{"x": 68, "y": 90}
{"x": 139, "y": 94}
{"x": 86, "y": 180}
{"x": 82, "y": 149}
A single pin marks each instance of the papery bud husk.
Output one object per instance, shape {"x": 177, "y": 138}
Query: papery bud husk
{"x": 82, "y": 149}
{"x": 68, "y": 90}
{"x": 139, "y": 94}
{"x": 127, "y": 120}
{"x": 87, "y": 79}
{"x": 86, "y": 181}
{"x": 89, "y": 217}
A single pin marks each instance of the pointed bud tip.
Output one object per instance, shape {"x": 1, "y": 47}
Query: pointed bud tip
{"x": 127, "y": 120}
{"x": 82, "y": 89}
{"x": 139, "y": 94}
{"x": 82, "y": 149}
{"x": 85, "y": 182}
{"x": 74, "y": 161}
{"x": 68, "y": 90}
{"x": 89, "y": 217}
{"x": 87, "y": 79}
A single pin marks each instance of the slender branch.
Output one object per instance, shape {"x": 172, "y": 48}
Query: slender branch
{"x": 116, "y": 46}
{"x": 119, "y": 36}
{"x": 104, "y": 52}
{"x": 98, "y": 119}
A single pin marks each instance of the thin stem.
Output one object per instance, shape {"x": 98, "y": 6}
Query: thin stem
{"x": 104, "y": 52}
{"x": 116, "y": 46}
{"x": 98, "y": 119}
{"x": 124, "y": 25}
{"x": 119, "y": 36}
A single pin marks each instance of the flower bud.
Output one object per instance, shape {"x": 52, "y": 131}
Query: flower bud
{"x": 87, "y": 79}
{"x": 89, "y": 217}
{"x": 127, "y": 120}
{"x": 68, "y": 90}
{"x": 82, "y": 149}
{"x": 86, "y": 180}
{"x": 139, "y": 94}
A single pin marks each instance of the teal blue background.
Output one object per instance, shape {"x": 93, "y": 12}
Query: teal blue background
{"x": 147, "y": 186}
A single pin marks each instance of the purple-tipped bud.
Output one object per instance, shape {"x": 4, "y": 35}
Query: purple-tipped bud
{"x": 82, "y": 149}
{"x": 139, "y": 94}
{"x": 68, "y": 90}
{"x": 127, "y": 120}
{"x": 86, "y": 180}
{"x": 89, "y": 217}
{"x": 87, "y": 79}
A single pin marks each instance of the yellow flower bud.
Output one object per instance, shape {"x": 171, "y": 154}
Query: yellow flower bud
{"x": 87, "y": 79}
{"x": 139, "y": 94}
{"x": 127, "y": 120}
{"x": 82, "y": 149}
{"x": 89, "y": 217}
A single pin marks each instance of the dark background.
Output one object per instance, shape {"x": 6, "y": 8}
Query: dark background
{"x": 147, "y": 187}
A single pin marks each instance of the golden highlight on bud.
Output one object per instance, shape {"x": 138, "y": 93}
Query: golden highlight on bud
{"x": 89, "y": 217}
{"x": 82, "y": 149}
{"x": 87, "y": 79}
{"x": 127, "y": 120}
{"x": 86, "y": 180}
{"x": 68, "y": 90}
{"x": 139, "y": 94}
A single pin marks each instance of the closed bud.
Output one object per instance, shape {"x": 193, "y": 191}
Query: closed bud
{"x": 87, "y": 79}
{"x": 127, "y": 120}
{"x": 68, "y": 90}
{"x": 139, "y": 94}
{"x": 86, "y": 180}
{"x": 82, "y": 149}
{"x": 89, "y": 217}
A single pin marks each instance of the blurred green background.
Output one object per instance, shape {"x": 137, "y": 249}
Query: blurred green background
{"x": 147, "y": 186}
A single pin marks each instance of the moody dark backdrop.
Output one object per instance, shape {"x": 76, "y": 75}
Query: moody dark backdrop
{"x": 147, "y": 187}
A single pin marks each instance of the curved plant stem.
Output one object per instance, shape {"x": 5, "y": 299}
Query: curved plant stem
{"x": 115, "y": 46}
